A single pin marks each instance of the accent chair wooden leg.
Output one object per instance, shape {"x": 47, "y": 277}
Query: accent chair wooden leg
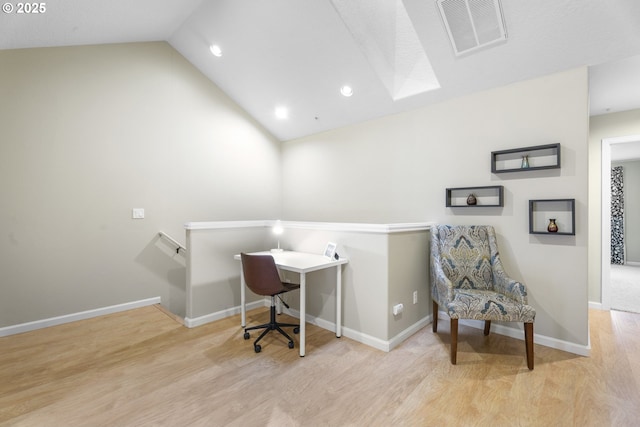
{"x": 528, "y": 339}
{"x": 435, "y": 317}
{"x": 487, "y": 326}
{"x": 454, "y": 340}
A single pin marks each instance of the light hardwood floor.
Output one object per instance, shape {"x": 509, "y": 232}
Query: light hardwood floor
{"x": 142, "y": 368}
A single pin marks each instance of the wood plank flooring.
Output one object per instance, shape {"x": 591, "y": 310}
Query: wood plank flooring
{"x": 142, "y": 368}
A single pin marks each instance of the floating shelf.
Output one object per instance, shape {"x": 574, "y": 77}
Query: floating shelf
{"x": 562, "y": 210}
{"x": 539, "y": 157}
{"x": 490, "y": 196}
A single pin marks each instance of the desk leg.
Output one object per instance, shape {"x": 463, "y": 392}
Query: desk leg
{"x": 303, "y": 312}
{"x": 339, "y": 302}
{"x": 243, "y": 296}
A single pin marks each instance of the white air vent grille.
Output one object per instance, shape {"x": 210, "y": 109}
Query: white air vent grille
{"x": 472, "y": 24}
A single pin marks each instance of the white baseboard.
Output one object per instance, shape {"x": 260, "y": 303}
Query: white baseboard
{"x": 402, "y": 336}
{"x": 67, "y": 318}
{"x": 346, "y": 332}
{"x": 388, "y": 345}
{"x": 634, "y": 263}
{"x": 580, "y": 350}
{"x": 363, "y": 338}
{"x": 212, "y": 317}
{"x": 595, "y": 305}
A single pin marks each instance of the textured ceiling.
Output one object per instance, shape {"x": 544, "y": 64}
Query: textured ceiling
{"x": 299, "y": 53}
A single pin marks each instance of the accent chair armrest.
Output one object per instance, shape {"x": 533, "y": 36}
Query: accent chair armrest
{"x": 441, "y": 286}
{"x": 508, "y": 286}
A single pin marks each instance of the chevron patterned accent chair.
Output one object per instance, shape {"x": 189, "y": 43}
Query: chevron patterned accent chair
{"x": 468, "y": 282}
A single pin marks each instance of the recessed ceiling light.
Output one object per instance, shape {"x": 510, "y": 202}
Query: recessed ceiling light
{"x": 346, "y": 90}
{"x": 215, "y": 50}
{"x": 282, "y": 112}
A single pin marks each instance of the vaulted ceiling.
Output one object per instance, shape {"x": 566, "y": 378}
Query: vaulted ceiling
{"x": 298, "y": 54}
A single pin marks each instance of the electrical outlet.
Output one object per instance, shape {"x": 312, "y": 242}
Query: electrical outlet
{"x": 397, "y": 309}
{"x": 137, "y": 213}
{"x": 415, "y": 297}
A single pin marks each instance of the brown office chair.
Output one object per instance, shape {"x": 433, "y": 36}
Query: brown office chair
{"x": 261, "y": 276}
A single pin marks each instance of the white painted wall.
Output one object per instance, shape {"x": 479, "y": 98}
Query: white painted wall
{"x": 88, "y": 133}
{"x": 396, "y": 169}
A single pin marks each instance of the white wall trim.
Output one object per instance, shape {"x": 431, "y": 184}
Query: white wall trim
{"x": 330, "y": 226}
{"x": 363, "y": 338}
{"x": 68, "y": 318}
{"x": 215, "y": 225}
{"x": 404, "y": 335}
{"x": 212, "y": 317}
{"x": 389, "y": 345}
{"x": 580, "y": 350}
{"x": 358, "y": 336}
{"x": 634, "y": 263}
{"x": 595, "y": 305}
{"x": 359, "y": 227}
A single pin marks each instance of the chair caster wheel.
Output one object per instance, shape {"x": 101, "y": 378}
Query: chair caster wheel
{"x": 290, "y": 344}
{"x": 246, "y": 335}
{"x": 257, "y": 348}
{"x": 296, "y": 330}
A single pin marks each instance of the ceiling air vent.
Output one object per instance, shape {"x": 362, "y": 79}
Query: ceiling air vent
{"x": 472, "y": 24}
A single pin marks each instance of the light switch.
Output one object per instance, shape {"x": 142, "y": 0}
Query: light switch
{"x": 137, "y": 213}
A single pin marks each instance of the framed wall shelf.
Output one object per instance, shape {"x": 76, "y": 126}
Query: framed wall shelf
{"x": 562, "y": 211}
{"x": 490, "y": 196}
{"x": 526, "y": 159}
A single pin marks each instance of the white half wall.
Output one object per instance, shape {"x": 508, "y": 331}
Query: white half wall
{"x": 387, "y": 263}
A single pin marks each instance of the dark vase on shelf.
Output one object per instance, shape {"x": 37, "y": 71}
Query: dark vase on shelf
{"x": 471, "y": 200}
{"x": 552, "y": 227}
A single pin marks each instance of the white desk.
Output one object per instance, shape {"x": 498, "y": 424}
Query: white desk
{"x": 303, "y": 263}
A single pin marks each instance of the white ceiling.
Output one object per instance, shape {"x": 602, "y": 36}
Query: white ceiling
{"x": 299, "y": 53}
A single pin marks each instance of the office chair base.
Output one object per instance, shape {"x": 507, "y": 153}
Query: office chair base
{"x": 271, "y": 326}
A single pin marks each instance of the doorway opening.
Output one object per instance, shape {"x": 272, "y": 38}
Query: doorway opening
{"x": 622, "y": 275}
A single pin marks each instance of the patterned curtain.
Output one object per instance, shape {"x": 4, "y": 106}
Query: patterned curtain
{"x": 617, "y": 216}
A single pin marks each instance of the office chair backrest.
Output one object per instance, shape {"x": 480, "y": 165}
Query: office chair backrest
{"x": 261, "y": 274}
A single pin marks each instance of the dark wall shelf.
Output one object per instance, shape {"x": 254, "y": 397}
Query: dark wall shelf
{"x": 489, "y": 196}
{"x": 538, "y": 157}
{"x": 563, "y": 211}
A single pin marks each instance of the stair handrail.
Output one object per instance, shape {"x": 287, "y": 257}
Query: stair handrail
{"x": 174, "y": 241}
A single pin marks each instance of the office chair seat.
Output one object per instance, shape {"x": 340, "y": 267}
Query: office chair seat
{"x": 262, "y": 277}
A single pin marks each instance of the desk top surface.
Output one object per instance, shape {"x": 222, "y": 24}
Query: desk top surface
{"x": 300, "y": 262}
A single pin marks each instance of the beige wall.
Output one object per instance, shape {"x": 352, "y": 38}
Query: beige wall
{"x": 600, "y": 127}
{"x": 365, "y": 279}
{"x": 88, "y": 133}
{"x": 396, "y": 169}
{"x": 408, "y": 273}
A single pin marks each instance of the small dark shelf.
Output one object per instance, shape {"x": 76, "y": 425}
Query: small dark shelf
{"x": 539, "y": 157}
{"x": 489, "y": 196}
{"x": 562, "y": 210}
